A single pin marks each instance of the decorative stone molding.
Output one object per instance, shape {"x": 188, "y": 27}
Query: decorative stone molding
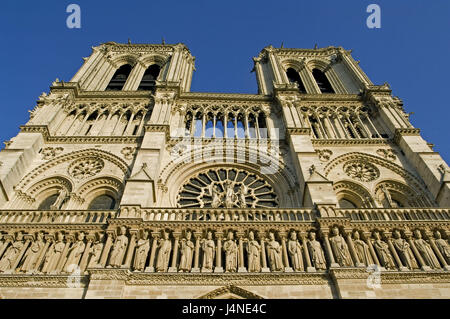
{"x": 51, "y": 152}
{"x": 361, "y": 171}
{"x": 324, "y": 155}
{"x": 388, "y": 154}
{"x": 86, "y": 167}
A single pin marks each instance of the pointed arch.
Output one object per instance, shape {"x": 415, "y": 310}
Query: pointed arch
{"x": 230, "y": 292}
{"x": 41, "y": 169}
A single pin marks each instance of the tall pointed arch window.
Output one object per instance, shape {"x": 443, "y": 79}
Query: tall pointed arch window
{"x": 294, "y": 77}
{"x": 149, "y": 79}
{"x": 119, "y": 78}
{"x": 322, "y": 81}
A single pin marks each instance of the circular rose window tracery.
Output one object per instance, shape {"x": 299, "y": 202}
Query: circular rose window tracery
{"x": 227, "y": 188}
{"x": 86, "y": 167}
{"x": 361, "y": 171}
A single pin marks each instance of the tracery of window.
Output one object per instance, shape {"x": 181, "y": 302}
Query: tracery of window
{"x": 341, "y": 122}
{"x": 119, "y": 78}
{"x": 322, "y": 81}
{"x": 86, "y": 167}
{"x": 393, "y": 194}
{"x": 149, "y": 79}
{"x": 103, "y": 202}
{"x": 345, "y": 203}
{"x": 222, "y": 122}
{"x": 104, "y": 121}
{"x": 228, "y": 188}
{"x": 48, "y": 202}
{"x": 294, "y": 77}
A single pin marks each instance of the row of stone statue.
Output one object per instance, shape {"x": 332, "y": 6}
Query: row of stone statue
{"x": 180, "y": 252}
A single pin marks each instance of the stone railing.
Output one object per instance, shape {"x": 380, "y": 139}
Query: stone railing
{"x": 395, "y": 214}
{"x": 205, "y": 214}
{"x": 55, "y": 217}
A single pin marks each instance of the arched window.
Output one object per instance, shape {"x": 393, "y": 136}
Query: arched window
{"x": 48, "y": 202}
{"x": 294, "y": 77}
{"x": 345, "y": 203}
{"x": 102, "y": 202}
{"x": 322, "y": 81}
{"x": 149, "y": 79}
{"x": 119, "y": 78}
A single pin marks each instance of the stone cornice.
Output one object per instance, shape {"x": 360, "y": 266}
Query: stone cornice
{"x": 342, "y": 142}
{"x": 42, "y": 281}
{"x": 43, "y": 129}
{"x": 206, "y": 279}
{"x": 399, "y": 132}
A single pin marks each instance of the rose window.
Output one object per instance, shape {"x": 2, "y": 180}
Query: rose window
{"x": 227, "y": 188}
{"x": 360, "y": 171}
{"x": 86, "y": 167}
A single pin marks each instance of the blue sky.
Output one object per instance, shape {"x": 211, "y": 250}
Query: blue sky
{"x": 411, "y": 50}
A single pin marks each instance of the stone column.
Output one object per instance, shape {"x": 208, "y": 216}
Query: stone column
{"x": 422, "y": 263}
{"x": 151, "y": 267}
{"x": 198, "y": 237}
{"x": 84, "y": 258}
{"x": 328, "y": 250}
{"x": 372, "y": 251}
{"x": 287, "y": 268}
{"x": 131, "y": 247}
{"x": 5, "y": 245}
{"x": 309, "y": 266}
{"x": 173, "y": 268}
{"x": 106, "y": 249}
{"x": 219, "y": 267}
{"x": 241, "y": 267}
{"x": 437, "y": 251}
{"x": 351, "y": 247}
{"x": 264, "y": 267}
{"x": 394, "y": 251}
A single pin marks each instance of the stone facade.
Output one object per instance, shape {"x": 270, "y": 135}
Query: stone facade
{"x": 124, "y": 184}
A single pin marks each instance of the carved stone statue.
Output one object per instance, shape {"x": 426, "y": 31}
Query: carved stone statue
{"x": 404, "y": 251}
{"x": 54, "y": 254}
{"x": 96, "y": 252}
{"x": 274, "y": 253}
{"x": 187, "y": 252}
{"x": 362, "y": 250}
{"x": 384, "y": 255}
{"x": 142, "y": 249}
{"x": 387, "y": 196}
{"x": 119, "y": 249}
{"x": 229, "y": 194}
{"x": 75, "y": 253}
{"x": 295, "y": 252}
{"x": 340, "y": 249}
{"x": 215, "y": 195}
{"x": 62, "y": 194}
{"x": 32, "y": 254}
{"x": 12, "y": 253}
{"x": 165, "y": 247}
{"x": 209, "y": 249}
{"x": 253, "y": 253}
{"x": 443, "y": 246}
{"x": 425, "y": 250}
{"x": 243, "y": 190}
{"x": 316, "y": 252}
{"x": 231, "y": 252}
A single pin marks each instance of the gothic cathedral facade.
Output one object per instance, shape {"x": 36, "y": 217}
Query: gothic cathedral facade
{"x": 126, "y": 184}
